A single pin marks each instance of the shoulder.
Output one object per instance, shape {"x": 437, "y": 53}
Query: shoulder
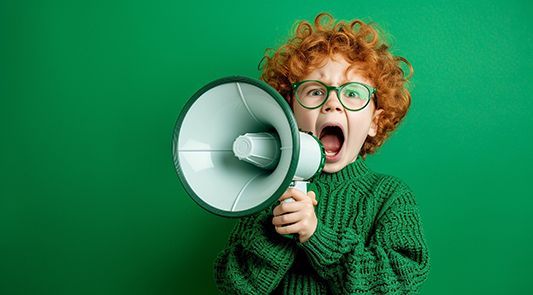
{"x": 392, "y": 190}
{"x": 389, "y": 185}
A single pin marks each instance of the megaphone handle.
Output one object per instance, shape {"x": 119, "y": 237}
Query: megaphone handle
{"x": 300, "y": 185}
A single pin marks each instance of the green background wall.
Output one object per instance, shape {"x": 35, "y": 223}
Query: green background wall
{"x": 90, "y": 91}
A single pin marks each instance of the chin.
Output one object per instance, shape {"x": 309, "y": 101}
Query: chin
{"x": 334, "y": 167}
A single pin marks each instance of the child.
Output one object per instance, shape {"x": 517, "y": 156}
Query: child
{"x": 365, "y": 234}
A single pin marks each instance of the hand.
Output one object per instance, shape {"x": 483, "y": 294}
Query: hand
{"x": 296, "y": 217}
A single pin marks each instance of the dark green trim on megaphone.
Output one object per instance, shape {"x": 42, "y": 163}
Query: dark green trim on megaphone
{"x": 322, "y": 156}
{"x": 295, "y": 145}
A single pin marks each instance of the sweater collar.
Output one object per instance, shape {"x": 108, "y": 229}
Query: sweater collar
{"x": 354, "y": 170}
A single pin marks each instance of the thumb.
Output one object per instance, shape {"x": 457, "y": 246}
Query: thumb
{"x": 312, "y": 195}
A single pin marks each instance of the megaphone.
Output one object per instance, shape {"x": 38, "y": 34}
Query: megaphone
{"x": 237, "y": 148}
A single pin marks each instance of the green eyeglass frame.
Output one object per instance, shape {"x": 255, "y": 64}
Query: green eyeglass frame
{"x": 338, "y": 89}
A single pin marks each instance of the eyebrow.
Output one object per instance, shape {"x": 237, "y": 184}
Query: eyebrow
{"x": 344, "y": 80}
{"x": 345, "y": 77}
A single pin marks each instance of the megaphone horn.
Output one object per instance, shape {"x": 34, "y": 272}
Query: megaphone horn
{"x": 236, "y": 147}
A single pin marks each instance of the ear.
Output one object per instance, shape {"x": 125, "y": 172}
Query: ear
{"x": 372, "y": 131}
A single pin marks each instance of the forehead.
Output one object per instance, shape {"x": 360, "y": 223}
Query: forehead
{"x": 336, "y": 71}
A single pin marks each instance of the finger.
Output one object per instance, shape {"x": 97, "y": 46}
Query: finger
{"x": 287, "y": 219}
{"x": 289, "y": 229}
{"x": 312, "y": 195}
{"x": 284, "y": 208}
{"x": 287, "y": 194}
{"x": 294, "y": 193}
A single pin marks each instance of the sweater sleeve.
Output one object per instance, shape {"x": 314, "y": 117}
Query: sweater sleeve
{"x": 395, "y": 259}
{"x": 255, "y": 259}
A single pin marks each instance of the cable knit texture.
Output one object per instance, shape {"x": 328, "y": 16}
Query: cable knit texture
{"x": 369, "y": 240}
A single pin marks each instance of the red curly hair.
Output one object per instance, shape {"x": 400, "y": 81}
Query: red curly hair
{"x": 361, "y": 45}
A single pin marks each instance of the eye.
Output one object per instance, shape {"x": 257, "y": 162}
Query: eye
{"x": 315, "y": 92}
{"x": 352, "y": 94}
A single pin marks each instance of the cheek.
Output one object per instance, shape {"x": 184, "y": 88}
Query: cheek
{"x": 358, "y": 128}
{"x": 306, "y": 119}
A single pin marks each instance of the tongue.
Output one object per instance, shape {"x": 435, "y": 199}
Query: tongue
{"x": 331, "y": 143}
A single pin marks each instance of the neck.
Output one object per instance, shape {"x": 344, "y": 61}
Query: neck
{"x": 354, "y": 170}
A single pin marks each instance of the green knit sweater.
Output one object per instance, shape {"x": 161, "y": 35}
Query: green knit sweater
{"x": 369, "y": 239}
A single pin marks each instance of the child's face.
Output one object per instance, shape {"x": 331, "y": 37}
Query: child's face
{"x": 344, "y": 141}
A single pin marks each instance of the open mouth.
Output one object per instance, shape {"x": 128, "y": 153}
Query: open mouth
{"x": 332, "y": 138}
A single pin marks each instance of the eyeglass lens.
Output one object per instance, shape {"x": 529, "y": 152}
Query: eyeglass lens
{"x": 311, "y": 94}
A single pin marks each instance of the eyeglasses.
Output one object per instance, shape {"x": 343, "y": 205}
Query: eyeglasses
{"x": 353, "y": 96}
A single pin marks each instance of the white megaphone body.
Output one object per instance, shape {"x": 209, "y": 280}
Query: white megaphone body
{"x": 237, "y": 148}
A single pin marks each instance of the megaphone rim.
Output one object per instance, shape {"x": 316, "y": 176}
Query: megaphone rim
{"x": 295, "y": 145}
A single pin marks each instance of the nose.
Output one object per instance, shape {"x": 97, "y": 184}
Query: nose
{"x": 332, "y": 103}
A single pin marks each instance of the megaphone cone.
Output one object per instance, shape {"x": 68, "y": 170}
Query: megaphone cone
{"x": 237, "y": 148}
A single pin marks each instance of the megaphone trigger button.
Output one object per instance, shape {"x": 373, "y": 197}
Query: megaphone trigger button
{"x": 288, "y": 200}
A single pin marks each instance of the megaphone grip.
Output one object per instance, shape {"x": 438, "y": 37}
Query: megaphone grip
{"x": 301, "y": 186}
